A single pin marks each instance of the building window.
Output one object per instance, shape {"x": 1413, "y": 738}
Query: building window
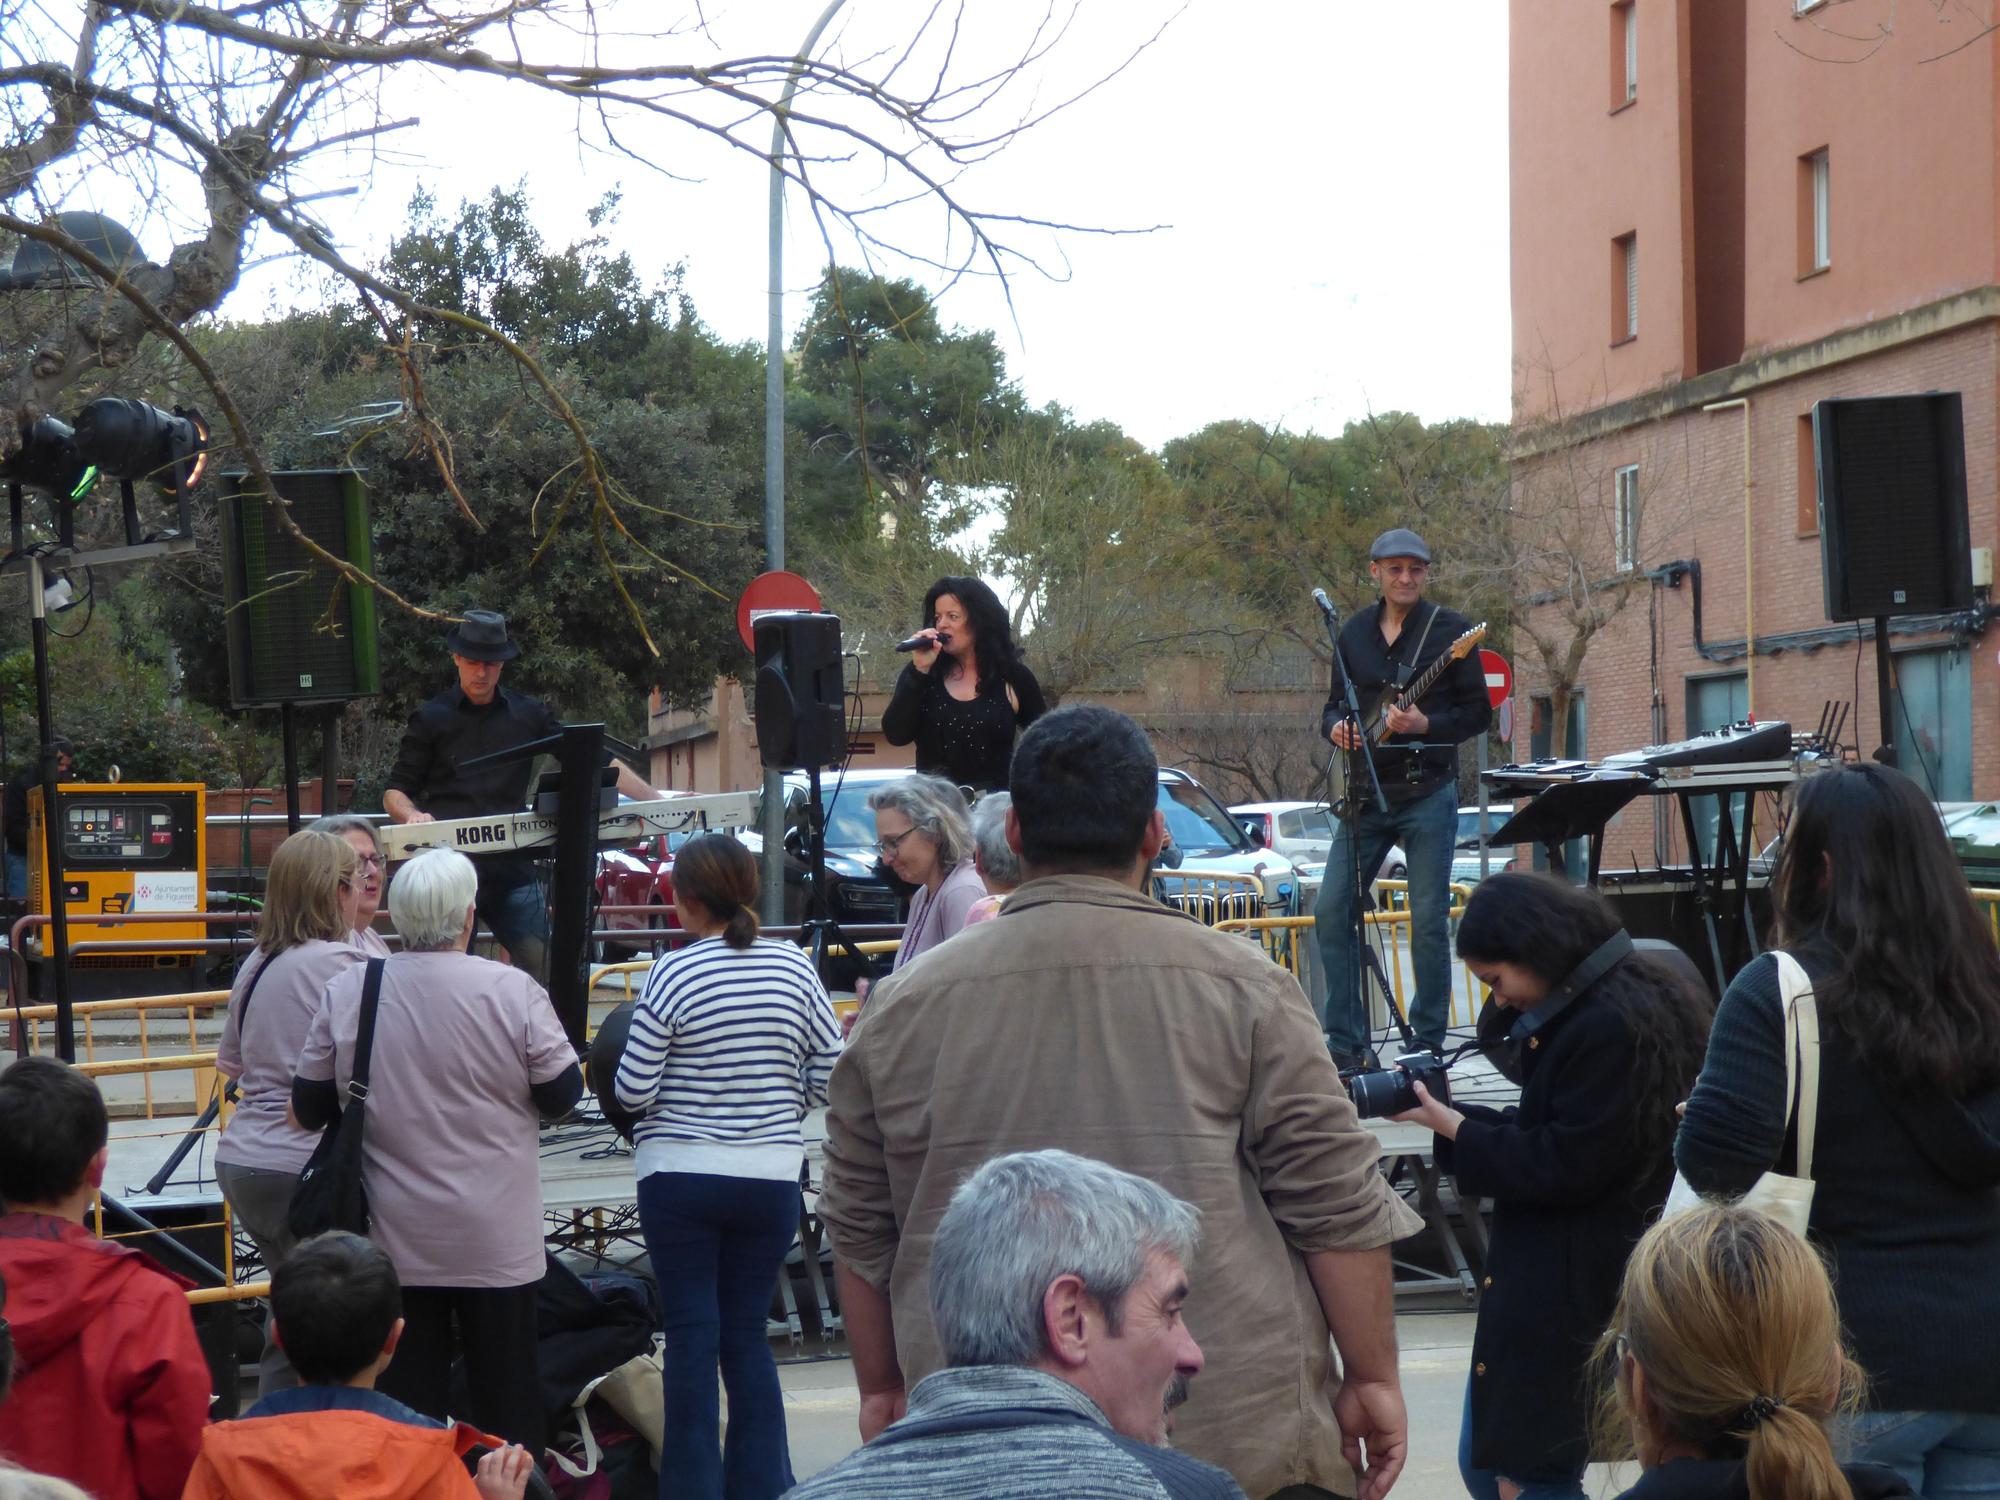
{"x": 1624, "y": 54}
{"x": 1625, "y": 516}
{"x": 1624, "y": 288}
{"x": 1808, "y": 499}
{"x": 1815, "y": 213}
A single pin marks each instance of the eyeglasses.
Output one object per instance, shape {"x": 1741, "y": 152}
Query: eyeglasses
{"x": 889, "y": 845}
{"x": 371, "y": 861}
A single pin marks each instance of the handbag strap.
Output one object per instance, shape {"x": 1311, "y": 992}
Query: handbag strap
{"x": 364, "y": 1040}
{"x": 1795, "y": 994}
{"x": 249, "y": 989}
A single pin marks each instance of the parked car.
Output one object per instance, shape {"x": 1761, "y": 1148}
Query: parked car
{"x": 1303, "y": 833}
{"x": 860, "y": 887}
{"x": 1465, "y": 846}
{"x": 639, "y": 876}
{"x": 1206, "y": 840}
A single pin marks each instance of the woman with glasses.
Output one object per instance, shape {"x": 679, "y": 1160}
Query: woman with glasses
{"x": 312, "y": 898}
{"x": 367, "y": 843}
{"x": 923, "y": 833}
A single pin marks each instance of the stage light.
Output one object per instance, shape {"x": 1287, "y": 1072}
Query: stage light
{"x": 49, "y": 459}
{"x": 135, "y": 440}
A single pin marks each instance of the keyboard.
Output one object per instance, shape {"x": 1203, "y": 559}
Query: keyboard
{"x": 628, "y": 823}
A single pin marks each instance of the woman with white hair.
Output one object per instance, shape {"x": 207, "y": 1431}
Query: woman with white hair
{"x": 922, "y": 833}
{"x": 998, "y": 864}
{"x": 468, "y": 1058}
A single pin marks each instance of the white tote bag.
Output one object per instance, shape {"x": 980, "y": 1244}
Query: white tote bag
{"x": 1786, "y": 1199}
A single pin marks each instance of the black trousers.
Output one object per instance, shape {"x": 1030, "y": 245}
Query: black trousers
{"x": 495, "y": 1331}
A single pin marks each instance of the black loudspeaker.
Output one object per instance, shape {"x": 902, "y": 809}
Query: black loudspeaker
{"x": 800, "y": 702}
{"x": 1893, "y": 534}
{"x": 297, "y": 631}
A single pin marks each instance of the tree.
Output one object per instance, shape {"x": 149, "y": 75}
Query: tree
{"x": 238, "y": 119}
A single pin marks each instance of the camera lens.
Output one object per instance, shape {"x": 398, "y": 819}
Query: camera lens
{"x": 1384, "y": 1092}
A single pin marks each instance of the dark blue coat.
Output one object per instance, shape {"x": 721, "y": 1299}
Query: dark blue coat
{"x": 1571, "y": 1196}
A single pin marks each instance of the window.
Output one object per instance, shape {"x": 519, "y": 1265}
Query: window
{"x": 1624, "y": 288}
{"x": 1815, "y": 214}
{"x": 1934, "y": 720}
{"x": 1624, "y": 54}
{"x": 1625, "y": 516}
{"x": 1808, "y": 499}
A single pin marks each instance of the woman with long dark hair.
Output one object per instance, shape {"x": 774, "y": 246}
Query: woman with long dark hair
{"x": 1608, "y": 1040}
{"x": 732, "y": 1041}
{"x": 1906, "y": 1154}
{"x": 966, "y": 693}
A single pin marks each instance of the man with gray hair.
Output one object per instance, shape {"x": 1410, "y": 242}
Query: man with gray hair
{"x": 1091, "y": 1017}
{"x": 1056, "y": 1286}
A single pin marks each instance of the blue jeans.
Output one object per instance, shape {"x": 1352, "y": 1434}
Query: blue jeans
{"x": 511, "y": 904}
{"x": 1942, "y": 1455}
{"x": 1484, "y": 1484}
{"x": 1426, "y": 828}
{"x": 17, "y": 875}
{"x": 717, "y": 1246}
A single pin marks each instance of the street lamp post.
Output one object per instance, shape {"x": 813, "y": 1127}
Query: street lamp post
{"x": 774, "y": 448}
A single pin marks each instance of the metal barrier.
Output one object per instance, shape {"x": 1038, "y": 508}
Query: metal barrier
{"x": 1210, "y": 898}
{"x": 1990, "y": 899}
{"x": 1287, "y": 942}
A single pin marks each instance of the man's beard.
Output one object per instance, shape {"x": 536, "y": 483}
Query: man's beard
{"x": 1176, "y": 1396}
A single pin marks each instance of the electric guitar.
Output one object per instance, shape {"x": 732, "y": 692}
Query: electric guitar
{"x": 1346, "y": 773}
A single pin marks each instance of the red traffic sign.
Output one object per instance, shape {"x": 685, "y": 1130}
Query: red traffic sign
{"x": 772, "y": 594}
{"x": 1499, "y": 677}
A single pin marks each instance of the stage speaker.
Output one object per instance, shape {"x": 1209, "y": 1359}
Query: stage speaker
{"x": 1893, "y": 535}
{"x": 800, "y": 699}
{"x": 297, "y": 631}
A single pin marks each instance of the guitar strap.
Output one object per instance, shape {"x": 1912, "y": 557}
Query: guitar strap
{"x": 1407, "y": 668}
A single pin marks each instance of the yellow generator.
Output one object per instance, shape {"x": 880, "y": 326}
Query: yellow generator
{"x": 126, "y": 847}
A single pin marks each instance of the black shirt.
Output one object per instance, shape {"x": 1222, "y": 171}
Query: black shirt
{"x": 1456, "y": 703}
{"x": 1726, "y": 1479}
{"x": 970, "y": 742}
{"x": 14, "y": 809}
{"x": 451, "y": 729}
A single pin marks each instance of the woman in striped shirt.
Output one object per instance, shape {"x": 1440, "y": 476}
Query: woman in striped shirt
{"x": 731, "y": 1043}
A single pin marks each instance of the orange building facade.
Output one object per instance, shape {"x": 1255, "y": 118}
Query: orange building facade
{"x": 1724, "y": 211}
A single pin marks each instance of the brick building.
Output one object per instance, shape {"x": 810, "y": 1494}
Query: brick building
{"x": 1724, "y": 211}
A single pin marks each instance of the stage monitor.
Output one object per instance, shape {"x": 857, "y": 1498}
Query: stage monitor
{"x": 1893, "y": 534}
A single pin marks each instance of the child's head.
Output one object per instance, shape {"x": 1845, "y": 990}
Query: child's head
{"x": 55, "y": 1126}
{"x": 336, "y": 1301}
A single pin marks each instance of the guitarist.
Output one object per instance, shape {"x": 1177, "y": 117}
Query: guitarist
{"x": 1388, "y": 645}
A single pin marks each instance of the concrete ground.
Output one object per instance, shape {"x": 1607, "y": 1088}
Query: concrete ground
{"x": 821, "y": 1409}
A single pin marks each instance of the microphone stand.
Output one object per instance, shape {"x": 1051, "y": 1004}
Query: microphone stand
{"x": 1366, "y": 960}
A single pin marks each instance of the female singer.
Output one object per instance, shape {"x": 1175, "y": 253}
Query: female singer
{"x": 966, "y": 691}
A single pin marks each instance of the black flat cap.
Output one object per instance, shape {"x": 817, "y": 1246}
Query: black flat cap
{"x": 1399, "y": 541}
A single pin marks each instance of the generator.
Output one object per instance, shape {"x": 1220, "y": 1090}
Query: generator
{"x": 127, "y": 847}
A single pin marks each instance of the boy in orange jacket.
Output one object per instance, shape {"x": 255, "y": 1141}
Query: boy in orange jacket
{"x": 337, "y": 1308}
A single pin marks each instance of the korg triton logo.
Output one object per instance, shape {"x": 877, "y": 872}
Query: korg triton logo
{"x": 482, "y": 833}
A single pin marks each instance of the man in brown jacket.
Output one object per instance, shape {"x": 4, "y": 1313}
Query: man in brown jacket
{"x": 1091, "y": 1018}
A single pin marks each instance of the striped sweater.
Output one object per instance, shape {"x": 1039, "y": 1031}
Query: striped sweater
{"x": 728, "y": 1049}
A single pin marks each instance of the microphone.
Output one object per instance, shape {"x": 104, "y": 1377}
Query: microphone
{"x": 1325, "y": 604}
{"x": 919, "y": 641}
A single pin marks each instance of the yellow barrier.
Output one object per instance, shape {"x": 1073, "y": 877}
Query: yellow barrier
{"x": 1210, "y": 899}
{"x": 1284, "y": 941}
{"x": 1990, "y": 899}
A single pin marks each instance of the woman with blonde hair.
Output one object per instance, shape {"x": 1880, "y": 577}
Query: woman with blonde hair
{"x": 1727, "y": 1366}
{"x": 311, "y": 896}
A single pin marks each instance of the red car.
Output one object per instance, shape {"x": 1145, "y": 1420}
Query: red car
{"x": 639, "y": 876}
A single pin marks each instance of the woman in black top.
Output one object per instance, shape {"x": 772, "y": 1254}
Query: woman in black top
{"x": 1906, "y": 1155}
{"x": 1727, "y": 1367}
{"x": 1608, "y": 1041}
{"x": 967, "y": 692}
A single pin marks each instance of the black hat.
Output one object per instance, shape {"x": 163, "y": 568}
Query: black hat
{"x": 482, "y": 636}
{"x": 1399, "y": 541}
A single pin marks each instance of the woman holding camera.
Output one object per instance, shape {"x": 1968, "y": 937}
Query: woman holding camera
{"x": 1607, "y": 1041}
{"x": 1906, "y": 1170}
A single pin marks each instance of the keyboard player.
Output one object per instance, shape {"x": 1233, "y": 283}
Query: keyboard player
{"x": 475, "y": 717}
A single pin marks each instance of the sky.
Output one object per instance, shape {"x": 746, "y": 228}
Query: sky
{"x": 1330, "y": 178}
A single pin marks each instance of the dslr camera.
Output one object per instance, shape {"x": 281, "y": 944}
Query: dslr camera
{"x": 1389, "y": 1091}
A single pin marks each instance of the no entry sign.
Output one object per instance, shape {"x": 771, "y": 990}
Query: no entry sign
{"x": 1499, "y": 676}
{"x": 770, "y": 594}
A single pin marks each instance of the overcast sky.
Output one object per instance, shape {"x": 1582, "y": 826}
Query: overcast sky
{"x": 1332, "y": 175}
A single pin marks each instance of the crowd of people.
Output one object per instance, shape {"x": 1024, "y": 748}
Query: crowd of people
{"x": 1147, "y": 1253}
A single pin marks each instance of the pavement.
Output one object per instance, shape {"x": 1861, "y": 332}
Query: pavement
{"x": 821, "y": 1409}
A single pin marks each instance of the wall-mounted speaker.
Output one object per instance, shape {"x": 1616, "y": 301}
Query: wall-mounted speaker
{"x": 1893, "y": 534}
{"x": 800, "y": 695}
{"x": 297, "y": 630}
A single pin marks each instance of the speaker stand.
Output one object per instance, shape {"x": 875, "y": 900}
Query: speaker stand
{"x": 1885, "y": 692}
{"x": 288, "y": 719}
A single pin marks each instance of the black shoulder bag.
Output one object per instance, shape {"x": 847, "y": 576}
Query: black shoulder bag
{"x": 331, "y": 1193}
